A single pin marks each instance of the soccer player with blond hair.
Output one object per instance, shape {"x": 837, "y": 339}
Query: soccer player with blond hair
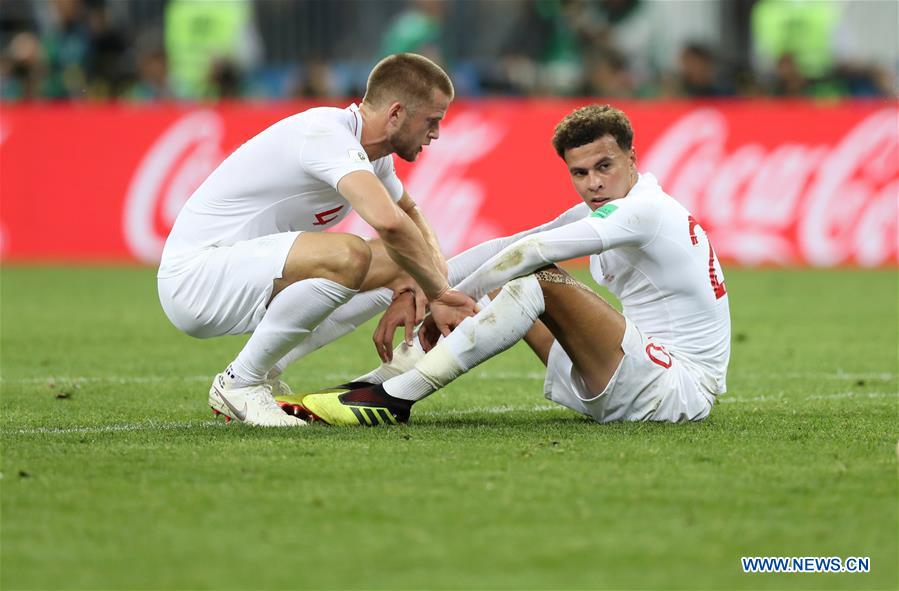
{"x": 248, "y": 252}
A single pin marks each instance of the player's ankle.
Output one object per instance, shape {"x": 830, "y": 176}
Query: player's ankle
{"x": 238, "y": 380}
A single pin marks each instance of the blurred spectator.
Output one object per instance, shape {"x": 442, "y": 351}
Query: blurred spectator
{"x": 746, "y": 83}
{"x": 225, "y": 80}
{"x": 863, "y": 80}
{"x": 608, "y": 76}
{"x": 513, "y": 74}
{"x": 152, "y": 76}
{"x": 627, "y": 30}
{"x": 418, "y": 29}
{"x": 16, "y": 16}
{"x": 108, "y": 66}
{"x": 66, "y": 43}
{"x": 209, "y": 44}
{"x": 697, "y": 76}
{"x": 316, "y": 81}
{"x": 22, "y": 69}
{"x": 804, "y": 29}
{"x": 72, "y": 49}
{"x": 789, "y": 81}
{"x": 571, "y": 30}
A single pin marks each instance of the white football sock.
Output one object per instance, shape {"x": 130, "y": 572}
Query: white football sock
{"x": 345, "y": 319}
{"x": 404, "y": 359}
{"x": 290, "y": 318}
{"x": 366, "y": 305}
{"x": 494, "y": 329}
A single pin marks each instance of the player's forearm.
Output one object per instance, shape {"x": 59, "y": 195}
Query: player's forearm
{"x": 531, "y": 253}
{"x": 430, "y": 238}
{"x": 465, "y": 263}
{"x": 408, "y": 249}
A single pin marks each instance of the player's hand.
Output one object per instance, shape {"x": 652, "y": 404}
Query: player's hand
{"x": 407, "y": 309}
{"x": 450, "y": 309}
{"x": 428, "y": 334}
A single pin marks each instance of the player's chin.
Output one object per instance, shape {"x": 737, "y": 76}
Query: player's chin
{"x": 409, "y": 155}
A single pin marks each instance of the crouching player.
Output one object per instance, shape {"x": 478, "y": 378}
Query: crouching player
{"x": 664, "y": 359}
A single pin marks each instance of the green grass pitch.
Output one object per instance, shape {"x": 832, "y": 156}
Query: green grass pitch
{"x": 116, "y": 476}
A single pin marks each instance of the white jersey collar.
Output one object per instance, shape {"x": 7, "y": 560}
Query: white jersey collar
{"x": 646, "y": 183}
{"x": 357, "y": 122}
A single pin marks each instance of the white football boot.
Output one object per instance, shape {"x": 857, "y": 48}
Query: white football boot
{"x": 253, "y": 405}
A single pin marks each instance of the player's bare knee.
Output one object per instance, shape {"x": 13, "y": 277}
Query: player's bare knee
{"x": 554, "y": 280}
{"x": 349, "y": 261}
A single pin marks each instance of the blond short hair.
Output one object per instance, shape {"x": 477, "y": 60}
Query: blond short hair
{"x": 408, "y": 78}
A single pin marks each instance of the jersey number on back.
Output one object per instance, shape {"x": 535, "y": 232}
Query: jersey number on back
{"x": 717, "y": 286}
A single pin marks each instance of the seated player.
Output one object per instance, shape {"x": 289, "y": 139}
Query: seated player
{"x": 664, "y": 359}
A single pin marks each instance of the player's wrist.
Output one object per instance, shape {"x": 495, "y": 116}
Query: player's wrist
{"x": 441, "y": 293}
{"x": 400, "y": 292}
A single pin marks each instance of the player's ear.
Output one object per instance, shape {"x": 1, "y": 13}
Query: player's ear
{"x": 394, "y": 112}
{"x": 632, "y": 156}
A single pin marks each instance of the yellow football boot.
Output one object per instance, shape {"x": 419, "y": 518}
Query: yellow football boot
{"x": 363, "y": 406}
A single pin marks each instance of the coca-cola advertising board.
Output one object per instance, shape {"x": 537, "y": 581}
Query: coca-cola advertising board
{"x": 773, "y": 182}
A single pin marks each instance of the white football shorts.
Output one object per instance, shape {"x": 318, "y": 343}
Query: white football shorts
{"x": 648, "y": 385}
{"x": 225, "y": 289}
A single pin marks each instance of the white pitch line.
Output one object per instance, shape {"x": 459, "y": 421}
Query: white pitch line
{"x": 727, "y": 399}
{"x": 493, "y": 410}
{"x": 125, "y": 427}
{"x": 852, "y": 395}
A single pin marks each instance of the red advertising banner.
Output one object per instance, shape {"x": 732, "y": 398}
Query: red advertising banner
{"x": 773, "y": 182}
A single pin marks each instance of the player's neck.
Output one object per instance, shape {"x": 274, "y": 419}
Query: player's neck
{"x": 374, "y": 133}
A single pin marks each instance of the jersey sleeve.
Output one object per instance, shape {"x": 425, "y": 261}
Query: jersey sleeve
{"x": 465, "y": 263}
{"x": 331, "y": 154}
{"x": 573, "y": 240}
{"x": 386, "y": 171}
{"x": 626, "y": 222}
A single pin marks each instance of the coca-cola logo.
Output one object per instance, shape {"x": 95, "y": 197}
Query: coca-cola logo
{"x": 824, "y": 204}
{"x": 176, "y": 164}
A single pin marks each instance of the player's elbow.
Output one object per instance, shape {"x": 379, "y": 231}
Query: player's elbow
{"x": 389, "y": 225}
{"x": 531, "y": 250}
{"x": 524, "y": 254}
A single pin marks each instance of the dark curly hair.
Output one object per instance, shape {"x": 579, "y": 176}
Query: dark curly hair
{"x": 590, "y": 123}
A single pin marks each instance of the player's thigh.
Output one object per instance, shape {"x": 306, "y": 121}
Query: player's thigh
{"x": 585, "y": 325}
{"x": 226, "y": 289}
{"x": 540, "y": 340}
{"x": 382, "y": 270}
{"x": 649, "y": 384}
{"x": 342, "y": 258}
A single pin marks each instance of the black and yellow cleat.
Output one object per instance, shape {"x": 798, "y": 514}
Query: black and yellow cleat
{"x": 362, "y": 406}
{"x": 292, "y": 402}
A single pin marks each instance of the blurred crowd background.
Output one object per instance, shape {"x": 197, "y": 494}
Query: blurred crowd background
{"x": 207, "y": 50}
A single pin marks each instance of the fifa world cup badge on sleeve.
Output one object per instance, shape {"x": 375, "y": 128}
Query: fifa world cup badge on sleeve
{"x": 357, "y": 156}
{"x": 605, "y": 211}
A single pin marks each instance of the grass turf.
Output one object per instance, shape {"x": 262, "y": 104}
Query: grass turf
{"x": 114, "y": 475}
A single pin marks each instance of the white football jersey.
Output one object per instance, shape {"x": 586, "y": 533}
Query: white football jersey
{"x": 658, "y": 262}
{"x": 284, "y": 179}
